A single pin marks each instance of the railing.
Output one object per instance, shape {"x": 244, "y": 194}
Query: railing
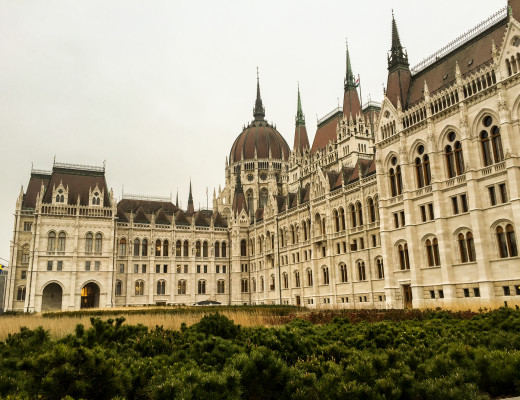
{"x": 83, "y": 211}
{"x": 330, "y": 114}
{"x": 79, "y": 167}
{"x": 499, "y": 15}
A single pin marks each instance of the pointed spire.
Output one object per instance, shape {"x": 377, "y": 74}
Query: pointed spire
{"x": 177, "y": 199}
{"x": 300, "y": 117}
{"x": 191, "y": 208}
{"x": 350, "y": 80}
{"x": 259, "y": 110}
{"x": 397, "y": 56}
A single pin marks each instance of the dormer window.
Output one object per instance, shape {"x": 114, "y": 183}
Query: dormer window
{"x": 96, "y": 201}
{"x": 60, "y": 198}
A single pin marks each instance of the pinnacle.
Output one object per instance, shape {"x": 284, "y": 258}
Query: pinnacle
{"x": 259, "y": 110}
{"x": 300, "y": 117}
{"x": 350, "y": 81}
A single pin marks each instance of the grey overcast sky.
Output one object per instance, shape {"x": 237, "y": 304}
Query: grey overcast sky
{"x": 160, "y": 89}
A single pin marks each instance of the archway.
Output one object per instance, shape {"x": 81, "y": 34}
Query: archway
{"x": 90, "y": 296}
{"x": 51, "y": 297}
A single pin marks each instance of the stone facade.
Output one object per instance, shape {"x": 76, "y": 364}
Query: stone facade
{"x": 414, "y": 202}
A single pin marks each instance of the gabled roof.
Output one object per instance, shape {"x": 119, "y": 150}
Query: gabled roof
{"x": 200, "y": 219}
{"x": 161, "y": 218}
{"x": 306, "y": 193}
{"x": 325, "y": 133}
{"x": 218, "y": 221}
{"x": 281, "y": 202}
{"x": 180, "y": 218}
{"x": 140, "y": 216}
{"x": 148, "y": 206}
{"x": 293, "y": 200}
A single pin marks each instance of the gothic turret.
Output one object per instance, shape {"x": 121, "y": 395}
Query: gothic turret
{"x": 351, "y": 104}
{"x": 190, "y": 209}
{"x": 301, "y": 141}
{"x": 239, "y": 201}
{"x": 399, "y": 75}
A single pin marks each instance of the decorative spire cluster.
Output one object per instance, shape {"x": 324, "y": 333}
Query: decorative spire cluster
{"x": 259, "y": 110}
{"x": 191, "y": 208}
{"x": 398, "y": 56}
{"x": 301, "y": 141}
{"x": 300, "y": 117}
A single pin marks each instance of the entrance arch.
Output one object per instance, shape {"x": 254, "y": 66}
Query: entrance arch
{"x": 51, "y": 297}
{"x": 90, "y": 295}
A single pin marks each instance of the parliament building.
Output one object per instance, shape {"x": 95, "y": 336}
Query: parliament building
{"x": 411, "y": 202}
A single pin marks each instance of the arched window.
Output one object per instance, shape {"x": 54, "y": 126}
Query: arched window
{"x": 217, "y": 249}
{"x": 506, "y": 241}
{"x": 20, "y": 293}
{"x": 243, "y": 286}
{"x": 309, "y": 277}
{"x": 181, "y": 287}
{"x": 422, "y": 168}
{"x": 119, "y": 288}
{"x": 262, "y": 285}
{"x": 335, "y": 215}
{"x": 372, "y": 210}
{"x": 342, "y": 218}
{"x": 250, "y": 202}
{"x": 201, "y": 287}
{"x": 325, "y": 271}
{"x": 205, "y": 249}
{"x": 122, "y": 247}
{"x": 293, "y": 235}
{"x": 396, "y": 181}
{"x": 272, "y": 283}
{"x": 471, "y": 247}
{"x": 178, "y": 248}
{"x": 454, "y": 156}
{"x": 61, "y": 241}
{"x": 161, "y": 287}
{"x": 51, "y": 241}
{"x": 158, "y": 247}
{"x": 404, "y": 261}
{"x": 296, "y": 279}
{"x": 221, "y": 287}
{"x": 264, "y": 195}
{"x": 361, "y": 271}
{"x": 491, "y": 142}
{"x": 463, "y": 249}
{"x": 185, "y": 249}
{"x": 432, "y": 252}
{"x": 343, "y": 273}
{"x": 144, "y": 248}
{"x": 359, "y": 211}
{"x": 139, "y": 288}
{"x": 98, "y": 243}
{"x": 223, "y": 249}
{"x": 165, "y": 246}
{"x": 285, "y": 280}
{"x": 353, "y": 218}
{"x": 197, "y": 248}
{"x": 380, "y": 269}
{"x": 137, "y": 246}
{"x": 243, "y": 248}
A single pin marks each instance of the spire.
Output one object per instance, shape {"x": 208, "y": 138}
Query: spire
{"x": 351, "y": 103}
{"x": 191, "y": 208}
{"x": 301, "y": 141}
{"x": 397, "y": 56}
{"x": 259, "y": 110}
{"x": 350, "y": 80}
{"x": 177, "y": 199}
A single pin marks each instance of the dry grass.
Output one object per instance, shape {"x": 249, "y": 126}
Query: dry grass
{"x": 62, "y": 326}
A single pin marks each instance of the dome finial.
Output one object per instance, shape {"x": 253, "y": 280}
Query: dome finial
{"x": 259, "y": 110}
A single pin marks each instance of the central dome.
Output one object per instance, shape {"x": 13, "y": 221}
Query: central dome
{"x": 259, "y": 139}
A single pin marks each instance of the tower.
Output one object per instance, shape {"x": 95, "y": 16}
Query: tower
{"x": 399, "y": 75}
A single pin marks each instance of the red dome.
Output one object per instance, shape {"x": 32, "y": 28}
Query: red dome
{"x": 262, "y": 138}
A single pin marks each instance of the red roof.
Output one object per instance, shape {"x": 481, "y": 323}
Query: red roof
{"x": 324, "y": 134}
{"x": 301, "y": 141}
{"x": 33, "y": 188}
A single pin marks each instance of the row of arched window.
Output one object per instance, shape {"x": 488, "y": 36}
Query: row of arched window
{"x": 93, "y": 243}
{"x": 161, "y": 248}
{"x": 139, "y": 288}
{"x": 491, "y": 150}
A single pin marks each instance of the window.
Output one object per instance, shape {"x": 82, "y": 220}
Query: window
{"x": 423, "y": 213}
{"x": 296, "y": 279}
{"x": 20, "y": 293}
{"x": 122, "y": 268}
{"x": 403, "y": 220}
{"x": 185, "y": 246}
{"x": 361, "y": 271}
{"x": 466, "y": 247}
{"x": 396, "y": 182}
{"x": 497, "y": 194}
{"x": 136, "y": 268}
{"x": 272, "y": 283}
{"x": 51, "y": 241}
{"x": 157, "y": 268}
{"x": 24, "y": 274}
{"x": 178, "y": 246}
{"x": 517, "y": 290}
{"x": 221, "y": 288}
{"x": 205, "y": 249}
{"x": 161, "y": 287}
{"x": 139, "y": 288}
{"x": 61, "y": 241}
{"x": 119, "y": 288}
{"x": 166, "y": 245}
{"x": 205, "y": 269}
{"x": 325, "y": 271}
{"x": 432, "y": 294}
{"x": 491, "y": 142}
{"x": 476, "y": 292}
{"x": 243, "y": 247}
{"x": 506, "y": 241}
{"x": 399, "y": 219}
{"x": 87, "y": 266}
{"x": 223, "y": 269}
{"x": 25, "y": 255}
{"x": 441, "y": 294}
{"x": 422, "y": 168}
{"x": 201, "y": 287}
{"x": 343, "y": 273}
{"x": 243, "y": 286}
{"x": 380, "y": 269}
{"x": 178, "y": 270}
{"x": 223, "y": 249}
{"x": 97, "y": 265}
{"x": 492, "y": 195}
{"x": 432, "y": 252}
{"x": 181, "y": 287}
{"x": 144, "y": 248}
{"x": 466, "y": 292}
{"x": 507, "y": 290}
{"x": 371, "y": 210}
{"x": 98, "y": 245}
{"x": 217, "y": 249}
{"x": 454, "y": 156}
{"x": 137, "y": 246}
{"x": 353, "y": 218}
{"x": 359, "y": 211}
{"x": 464, "y": 203}
{"x": 404, "y": 261}
{"x": 122, "y": 247}
{"x": 27, "y": 226}
{"x": 430, "y": 211}
{"x": 309, "y": 277}
{"x": 261, "y": 283}
{"x": 455, "y": 205}
{"x": 60, "y": 266}
{"x": 503, "y": 192}
{"x": 165, "y": 269}
{"x": 285, "y": 280}
{"x": 198, "y": 269}
{"x": 158, "y": 247}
